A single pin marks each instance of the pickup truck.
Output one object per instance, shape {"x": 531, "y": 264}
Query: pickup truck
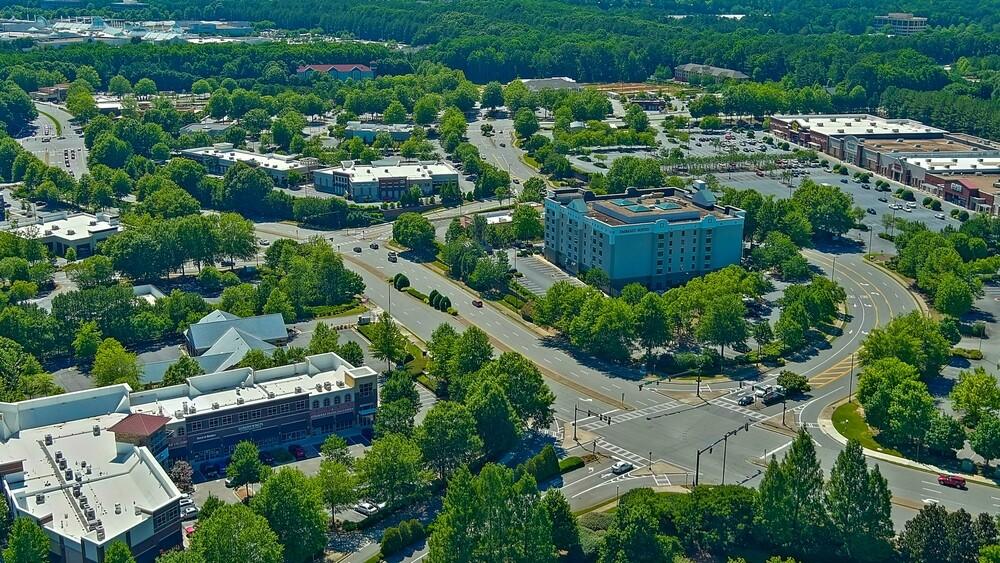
{"x": 772, "y": 396}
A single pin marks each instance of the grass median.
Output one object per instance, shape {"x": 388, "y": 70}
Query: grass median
{"x": 851, "y": 424}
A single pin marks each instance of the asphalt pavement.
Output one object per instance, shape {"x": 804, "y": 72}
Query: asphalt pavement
{"x": 54, "y": 151}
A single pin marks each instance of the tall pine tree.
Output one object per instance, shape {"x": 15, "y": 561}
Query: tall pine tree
{"x": 858, "y": 502}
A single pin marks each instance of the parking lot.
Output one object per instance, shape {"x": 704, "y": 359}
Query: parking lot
{"x": 539, "y": 274}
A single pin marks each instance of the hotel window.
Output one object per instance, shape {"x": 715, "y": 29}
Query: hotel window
{"x": 347, "y": 398}
{"x": 315, "y": 403}
{"x": 336, "y": 400}
{"x": 326, "y": 401}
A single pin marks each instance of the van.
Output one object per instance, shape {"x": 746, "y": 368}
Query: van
{"x": 364, "y": 319}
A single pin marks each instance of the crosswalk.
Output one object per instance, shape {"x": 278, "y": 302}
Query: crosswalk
{"x": 621, "y": 453}
{"x": 729, "y": 403}
{"x": 619, "y": 416}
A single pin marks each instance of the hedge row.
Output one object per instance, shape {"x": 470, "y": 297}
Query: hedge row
{"x": 569, "y": 464}
{"x": 967, "y": 353}
{"x": 439, "y": 301}
{"x": 400, "y": 281}
{"x": 395, "y": 538}
{"x": 543, "y": 466}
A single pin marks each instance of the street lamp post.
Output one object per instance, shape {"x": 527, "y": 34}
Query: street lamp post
{"x": 850, "y": 388}
{"x": 833, "y": 269}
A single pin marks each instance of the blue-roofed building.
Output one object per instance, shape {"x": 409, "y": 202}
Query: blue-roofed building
{"x": 659, "y": 237}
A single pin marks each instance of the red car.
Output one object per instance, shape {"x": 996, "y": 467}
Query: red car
{"x": 952, "y": 481}
{"x": 297, "y": 451}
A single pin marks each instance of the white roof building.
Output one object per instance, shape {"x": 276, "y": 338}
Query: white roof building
{"x": 64, "y": 468}
{"x": 384, "y": 180}
{"x": 62, "y": 230}
{"x": 861, "y": 125}
{"x": 957, "y": 164}
{"x": 221, "y": 156}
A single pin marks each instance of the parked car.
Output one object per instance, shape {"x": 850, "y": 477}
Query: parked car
{"x": 264, "y": 242}
{"x": 871, "y": 211}
{"x": 621, "y": 467}
{"x": 210, "y": 470}
{"x": 953, "y": 481}
{"x": 844, "y": 181}
{"x": 228, "y": 483}
{"x": 190, "y": 530}
{"x": 883, "y": 199}
{"x": 503, "y": 144}
{"x": 186, "y": 501}
{"x": 297, "y": 451}
{"x": 939, "y": 215}
{"x": 368, "y": 507}
{"x": 189, "y": 513}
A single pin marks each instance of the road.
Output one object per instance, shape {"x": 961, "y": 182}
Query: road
{"x": 669, "y": 422}
{"x": 52, "y": 152}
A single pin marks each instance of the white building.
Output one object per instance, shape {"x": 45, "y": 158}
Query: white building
{"x": 384, "y": 180}
{"x": 221, "y": 156}
{"x": 64, "y": 466}
{"x": 62, "y": 230}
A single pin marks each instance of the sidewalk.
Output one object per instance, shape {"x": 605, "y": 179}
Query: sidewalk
{"x": 827, "y": 427}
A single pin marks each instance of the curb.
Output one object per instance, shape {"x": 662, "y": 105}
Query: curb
{"x": 827, "y": 427}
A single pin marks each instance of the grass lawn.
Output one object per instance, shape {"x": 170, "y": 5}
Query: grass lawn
{"x": 849, "y": 422}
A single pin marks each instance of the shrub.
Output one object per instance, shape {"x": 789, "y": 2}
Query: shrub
{"x": 977, "y": 329}
{"x": 392, "y": 541}
{"x": 596, "y": 521}
{"x": 445, "y": 304}
{"x": 230, "y": 279}
{"x": 434, "y": 293}
{"x": 967, "y": 353}
{"x": 210, "y": 279}
{"x": 414, "y": 292}
{"x": 543, "y": 466}
{"x": 963, "y": 215}
{"x": 936, "y": 205}
{"x": 927, "y": 201}
{"x": 435, "y": 299}
{"x": 452, "y": 311}
{"x": 401, "y": 282}
{"x": 793, "y": 382}
{"x": 569, "y": 464}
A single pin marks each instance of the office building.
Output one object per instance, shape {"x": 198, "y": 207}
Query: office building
{"x": 210, "y": 414}
{"x": 338, "y": 72}
{"x": 553, "y": 83}
{"x": 384, "y": 180}
{"x": 902, "y": 23}
{"x": 656, "y": 237}
{"x": 82, "y": 466}
{"x": 285, "y": 170}
{"x": 689, "y": 71}
{"x": 62, "y": 230}
{"x": 368, "y": 131}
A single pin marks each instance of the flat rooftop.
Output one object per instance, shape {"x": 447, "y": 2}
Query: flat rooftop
{"x": 377, "y": 127}
{"x": 985, "y": 164}
{"x": 226, "y": 152}
{"x": 412, "y": 171}
{"x": 121, "y": 483}
{"x": 917, "y": 145}
{"x": 859, "y": 125}
{"x": 244, "y": 386}
{"x": 987, "y": 184}
{"x": 66, "y": 226}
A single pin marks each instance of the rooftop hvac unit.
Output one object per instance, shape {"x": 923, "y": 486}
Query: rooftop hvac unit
{"x": 62, "y": 463}
{"x": 340, "y": 384}
{"x": 319, "y": 386}
{"x": 68, "y": 474}
{"x": 118, "y": 508}
{"x": 58, "y": 455}
{"x": 83, "y": 500}
{"x": 240, "y": 400}
{"x": 89, "y": 513}
{"x": 327, "y": 385}
{"x": 70, "y": 232}
{"x": 54, "y": 227}
{"x": 193, "y": 409}
{"x": 298, "y": 389}
{"x": 40, "y": 498}
{"x": 90, "y": 469}
{"x": 83, "y": 463}
{"x": 92, "y": 223}
{"x": 270, "y": 394}
{"x": 215, "y": 406}
{"x": 97, "y": 430}
{"x": 48, "y": 439}
{"x": 100, "y": 534}
{"x": 178, "y": 414}
{"x": 137, "y": 510}
{"x": 184, "y": 406}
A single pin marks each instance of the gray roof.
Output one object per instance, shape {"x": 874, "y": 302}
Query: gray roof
{"x": 206, "y": 128}
{"x": 555, "y": 83}
{"x": 203, "y": 335}
{"x": 712, "y": 71}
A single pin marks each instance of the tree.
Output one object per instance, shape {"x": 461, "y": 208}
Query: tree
{"x": 399, "y": 386}
{"x": 179, "y": 372}
{"x": 924, "y": 536}
{"x": 828, "y": 209}
{"x": 394, "y": 417}
{"x": 5, "y": 520}
{"x": 793, "y": 383}
{"x": 113, "y": 364}
{"x": 425, "y": 109}
{"x": 145, "y": 87}
{"x": 633, "y": 537}
{"x": 963, "y": 546}
{"x": 118, "y": 552}
{"x": 86, "y": 342}
{"x": 636, "y": 118}
{"x": 335, "y": 448}
{"x": 912, "y": 338}
{"x": 293, "y": 506}
{"x": 911, "y": 409}
{"x": 652, "y": 323}
{"x": 119, "y": 85}
{"x": 392, "y": 470}
{"x": 523, "y": 385}
{"x": 527, "y": 223}
{"x": 496, "y": 421}
{"x": 724, "y": 322}
{"x": 394, "y": 113}
{"x": 27, "y": 543}
{"x": 237, "y": 533}
{"x": 208, "y": 508}
{"x": 447, "y": 437}
{"x": 985, "y": 530}
{"x": 975, "y": 394}
{"x": 875, "y": 387}
{"x": 953, "y": 296}
{"x": 387, "y": 341}
{"x": 278, "y": 302}
{"x": 337, "y": 484}
{"x": 182, "y": 475}
{"x": 858, "y": 501}
{"x": 180, "y": 556}
{"x": 245, "y": 467}
{"x": 565, "y": 533}
{"x": 985, "y": 437}
{"x": 492, "y": 96}
{"x": 352, "y": 353}
{"x": 791, "y": 496}
{"x": 414, "y": 231}
{"x": 525, "y": 123}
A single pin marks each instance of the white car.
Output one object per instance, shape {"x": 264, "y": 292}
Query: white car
{"x": 367, "y": 507}
{"x": 189, "y": 512}
{"x": 939, "y": 215}
{"x": 186, "y": 501}
{"x": 621, "y": 467}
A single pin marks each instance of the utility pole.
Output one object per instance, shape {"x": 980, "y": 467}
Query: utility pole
{"x": 833, "y": 270}
{"x": 850, "y": 384}
{"x": 783, "y": 403}
{"x": 574, "y": 422}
